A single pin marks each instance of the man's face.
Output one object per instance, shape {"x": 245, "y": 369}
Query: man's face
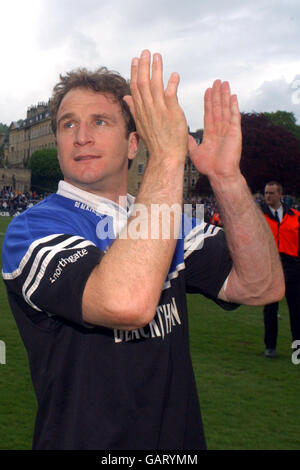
{"x": 93, "y": 150}
{"x": 272, "y": 195}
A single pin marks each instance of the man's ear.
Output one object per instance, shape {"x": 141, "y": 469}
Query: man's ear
{"x": 133, "y": 143}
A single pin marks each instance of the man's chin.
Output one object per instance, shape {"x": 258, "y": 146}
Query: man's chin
{"x": 89, "y": 177}
{"x": 86, "y": 183}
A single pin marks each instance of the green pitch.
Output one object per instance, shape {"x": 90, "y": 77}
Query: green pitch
{"x": 247, "y": 401}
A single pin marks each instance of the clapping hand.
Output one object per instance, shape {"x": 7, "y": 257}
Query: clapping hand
{"x": 159, "y": 119}
{"x": 219, "y": 154}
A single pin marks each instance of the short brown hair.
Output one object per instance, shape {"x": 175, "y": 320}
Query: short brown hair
{"x": 103, "y": 81}
{"x": 275, "y": 183}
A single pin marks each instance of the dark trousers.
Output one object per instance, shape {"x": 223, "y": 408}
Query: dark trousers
{"x": 292, "y": 294}
{"x": 271, "y": 325}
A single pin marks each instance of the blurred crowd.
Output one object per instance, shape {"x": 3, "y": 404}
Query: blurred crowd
{"x": 14, "y": 202}
{"x": 212, "y": 212}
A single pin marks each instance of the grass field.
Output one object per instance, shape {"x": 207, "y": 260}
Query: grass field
{"x": 247, "y": 401}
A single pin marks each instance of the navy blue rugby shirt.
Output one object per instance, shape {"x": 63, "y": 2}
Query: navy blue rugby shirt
{"x": 96, "y": 387}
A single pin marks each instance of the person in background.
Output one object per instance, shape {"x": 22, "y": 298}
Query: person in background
{"x": 284, "y": 222}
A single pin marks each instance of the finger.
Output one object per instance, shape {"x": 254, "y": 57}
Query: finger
{"x": 133, "y": 80}
{"x": 235, "y": 112}
{"x": 226, "y": 105}
{"x": 192, "y": 146}
{"x": 156, "y": 82}
{"x": 208, "y": 112}
{"x": 217, "y": 101}
{"x": 143, "y": 76}
{"x": 171, "y": 90}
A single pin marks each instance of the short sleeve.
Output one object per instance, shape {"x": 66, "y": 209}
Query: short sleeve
{"x": 49, "y": 273}
{"x": 207, "y": 262}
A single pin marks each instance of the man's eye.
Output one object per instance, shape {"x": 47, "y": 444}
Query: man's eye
{"x": 69, "y": 125}
{"x": 100, "y": 122}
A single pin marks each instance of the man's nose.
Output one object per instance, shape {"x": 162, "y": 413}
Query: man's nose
{"x": 83, "y": 135}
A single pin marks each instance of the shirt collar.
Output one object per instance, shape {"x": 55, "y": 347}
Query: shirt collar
{"x": 279, "y": 211}
{"x": 101, "y": 205}
{"x": 93, "y": 200}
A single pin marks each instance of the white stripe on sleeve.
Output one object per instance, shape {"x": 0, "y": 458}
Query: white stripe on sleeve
{"x": 195, "y": 239}
{"x": 27, "y": 295}
{"x": 26, "y": 257}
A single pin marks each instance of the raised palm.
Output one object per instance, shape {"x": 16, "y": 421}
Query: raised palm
{"x": 219, "y": 154}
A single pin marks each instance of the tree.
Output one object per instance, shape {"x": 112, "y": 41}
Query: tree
{"x": 45, "y": 170}
{"x": 270, "y": 152}
{"x": 3, "y": 128}
{"x": 286, "y": 120}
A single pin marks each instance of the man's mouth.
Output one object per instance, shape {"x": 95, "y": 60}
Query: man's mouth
{"x": 85, "y": 157}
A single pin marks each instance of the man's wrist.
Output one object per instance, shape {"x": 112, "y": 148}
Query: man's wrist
{"x": 168, "y": 163}
{"x": 233, "y": 195}
{"x": 227, "y": 183}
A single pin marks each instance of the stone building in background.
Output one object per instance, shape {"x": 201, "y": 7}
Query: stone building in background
{"x": 15, "y": 179}
{"x": 25, "y": 137}
{"x": 139, "y": 164}
{"x": 28, "y": 135}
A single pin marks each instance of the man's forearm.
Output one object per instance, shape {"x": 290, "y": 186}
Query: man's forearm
{"x": 257, "y": 276}
{"x": 124, "y": 289}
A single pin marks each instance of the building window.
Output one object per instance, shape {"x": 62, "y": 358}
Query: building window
{"x": 140, "y": 168}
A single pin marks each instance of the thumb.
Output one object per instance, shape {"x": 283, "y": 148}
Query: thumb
{"x": 192, "y": 146}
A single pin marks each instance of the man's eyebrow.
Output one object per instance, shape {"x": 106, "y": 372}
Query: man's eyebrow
{"x": 65, "y": 116}
{"x": 109, "y": 117}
